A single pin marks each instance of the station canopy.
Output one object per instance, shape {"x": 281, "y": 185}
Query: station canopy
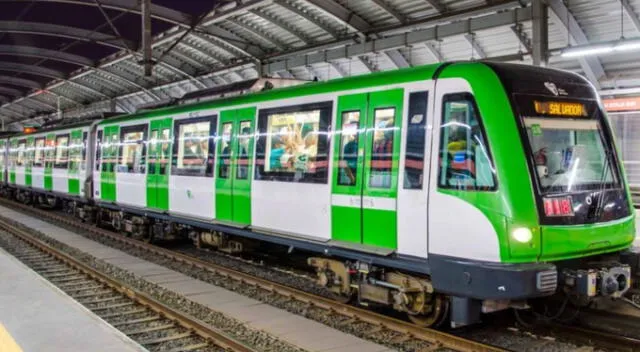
{"x": 79, "y": 58}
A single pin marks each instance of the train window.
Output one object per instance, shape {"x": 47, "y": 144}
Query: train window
{"x": 38, "y": 159}
{"x": 414, "y": 153}
{"x": 292, "y": 144}
{"x": 62, "y": 152}
{"x": 98, "y": 150}
{"x": 83, "y": 164}
{"x": 348, "y": 160}
{"x": 193, "y": 147}
{"x": 382, "y": 151}
{"x": 132, "y": 149}
{"x": 20, "y": 159}
{"x": 75, "y": 153}
{"x": 225, "y": 150}
{"x": 242, "y": 172}
{"x": 50, "y": 152}
{"x": 165, "y": 150}
{"x": 465, "y": 161}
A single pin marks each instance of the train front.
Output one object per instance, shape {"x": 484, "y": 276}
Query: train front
{"x": 586, "y": 221}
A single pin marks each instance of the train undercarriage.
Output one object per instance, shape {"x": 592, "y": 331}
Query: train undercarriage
{"x": 365, "y": 284}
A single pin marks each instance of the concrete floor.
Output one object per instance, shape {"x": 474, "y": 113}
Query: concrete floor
{"x": 37, "y": 316}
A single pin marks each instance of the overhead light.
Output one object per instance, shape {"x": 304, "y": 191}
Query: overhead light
{"x": 587, "y": 50}
{"x": 627, "y": 45}
{"x": 620, "y": 45}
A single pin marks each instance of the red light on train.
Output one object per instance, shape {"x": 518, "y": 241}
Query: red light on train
{"x": 558, "y": 206}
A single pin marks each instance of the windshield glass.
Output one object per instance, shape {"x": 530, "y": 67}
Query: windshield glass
{"x": 567, "y": 146}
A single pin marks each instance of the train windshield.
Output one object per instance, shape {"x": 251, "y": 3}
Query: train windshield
{"x": 568, "y": 146}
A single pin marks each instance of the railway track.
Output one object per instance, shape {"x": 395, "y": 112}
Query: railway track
{"x": 355, "y": 320}
{"x": 367, "y": 320}
{"x": 150, "y": 323}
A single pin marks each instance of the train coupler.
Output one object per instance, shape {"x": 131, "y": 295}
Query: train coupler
{"x": 610, "y": 280}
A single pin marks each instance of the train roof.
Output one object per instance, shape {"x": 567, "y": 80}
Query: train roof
{"x": 509, "y": 73}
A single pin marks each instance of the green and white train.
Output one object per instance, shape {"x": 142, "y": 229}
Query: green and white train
{"x": 459, "y": 188}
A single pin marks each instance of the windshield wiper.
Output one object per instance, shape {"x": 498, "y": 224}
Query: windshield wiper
{"x": 600, "y": 202}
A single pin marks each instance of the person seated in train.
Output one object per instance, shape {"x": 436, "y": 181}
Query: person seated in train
{"x": 277, "y": 151}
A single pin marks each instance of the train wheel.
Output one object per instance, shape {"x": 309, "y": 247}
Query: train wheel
{"x": 434, "y": 312}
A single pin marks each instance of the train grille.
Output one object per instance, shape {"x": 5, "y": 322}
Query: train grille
{"x": 547, "y": 281}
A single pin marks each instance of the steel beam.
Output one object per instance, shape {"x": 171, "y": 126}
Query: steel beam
{"x": 522, "y": 37}
{"x": 504, "y": 18}
{"x": 48, "y": 105}
{"x": 31, "y": 69}
{"x": 435, "y": 52}
{"x": 307, "y": 16}
{"x": 20, "y": 82}
{"x": 438, "y": 6}
{"x": 540, "y": 47}
{"x": 259, "y": 33}
{"x": 56, "y": 30}
{"x": 591, "y": 65}
{"x": 147, "y": 59}
{"x": 390, "y": 10}
{"x": 628, "y": 10}
{"x": 10, "y": 91}
{"x": 41, "y": 53}
{"x": 397, "y": 58}
{"x": 159, "y": 12}
{"x": 282, "y": 25}
{"x": 475, "y": 46}
{"x": 342, "y": 15}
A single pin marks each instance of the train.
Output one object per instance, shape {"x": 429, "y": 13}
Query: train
{"x": 445, "y": 191}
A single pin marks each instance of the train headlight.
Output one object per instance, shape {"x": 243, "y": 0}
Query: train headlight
{"x": 522, "y": 234}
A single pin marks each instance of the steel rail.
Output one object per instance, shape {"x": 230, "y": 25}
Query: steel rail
{"x": 209, "y": 333}
{"x": 432, "y": 336}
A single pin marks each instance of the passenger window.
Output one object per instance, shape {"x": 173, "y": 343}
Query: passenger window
{"x": 192, "y": 149}
{"x": 83, "y": 165}
{"x": 416, "y": 133}
{"x": 151, "y": 153}
{"x": 165, "y": 150}
{"x": 382, "y": 152}
{"x": 22, "y": 146}
{"x": 292, "y": 144}
{"x": 465, "y": 162}
{"x": 242, "y": 172}
{"x": 132, "y": 150}
{"x": 225, "y": 151}
{"x": 50, "y": 153}
{"x": 38, "y": 158}
{"x": 348, "y": 161}
{"x": 75, "y": 154}
{"x": 62, "y": 152}
{"x": 98, "y": 150}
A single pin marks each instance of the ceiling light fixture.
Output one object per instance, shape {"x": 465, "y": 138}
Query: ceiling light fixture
{"x": 622, "y": 45}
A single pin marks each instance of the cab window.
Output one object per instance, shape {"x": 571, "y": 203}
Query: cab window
{"x": 465, "y": 160}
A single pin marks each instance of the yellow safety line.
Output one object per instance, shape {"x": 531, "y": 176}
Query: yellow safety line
{"x": 7, "y": 343}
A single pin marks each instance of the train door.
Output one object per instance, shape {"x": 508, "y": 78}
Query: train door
{"x": 159, "y": 160}
{"x": 365, "y": 178}
{"x": 235, "y": 166}
{"x": 110, "y": 144}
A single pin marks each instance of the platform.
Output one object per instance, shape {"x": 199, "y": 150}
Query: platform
{"x": 36, "y": 316}
{"x": 294, "y": 329}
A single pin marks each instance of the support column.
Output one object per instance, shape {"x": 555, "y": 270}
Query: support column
{"x": 540, "y": 33}
{"x": 147, "y": 55}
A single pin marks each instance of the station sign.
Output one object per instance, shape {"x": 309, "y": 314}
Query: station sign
{"x": 622, "y": 104}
